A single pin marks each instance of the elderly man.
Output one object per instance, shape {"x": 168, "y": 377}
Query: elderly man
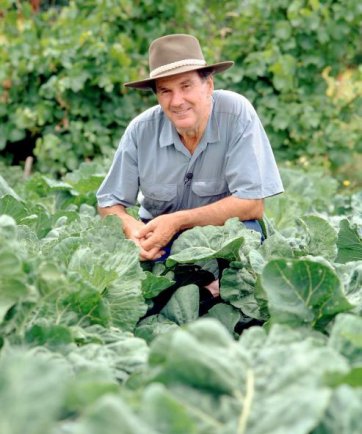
{"x": 199, "y": 157}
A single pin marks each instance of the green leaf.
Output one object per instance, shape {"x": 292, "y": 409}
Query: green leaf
{"x": 276, "y": 369}
{"x": 183, "y": 306}
{"x": 349, "y": 243}
{"x": 31, "y": 408}
{"x": 302, "y": 292}
{"x": 5, "y": 189}
{"x": 110, "y": 351}
{"x": 226, "y": 314}
{"x": 202, "y": 355}
{"x": 209, "y": 242}
{"x": 13, "y": 279}
{"x": 107, "y": 415}
{"x": 227, "y": 385}
{"x": 322, "y": 237}
{"x": 283, "y": 30}
{"x": 13, "y": 207}
{"x": 12, "y": 290}
{"x": 351, "y": 275}
{"x": 87, "y": 178}
{"x": 154, "y": 325}
{"x": 117, "y": 276}
{"x": 238, "y": 289}
{"x": 49, "y": 335}
{"x": 124, "y": 295}
{"x": 165, "y": 413}
{"x": 346, "y": 337}
{"x": 152, "y": 285}
{"x": 343, "y": 415}
{"x": 275, "y": 246}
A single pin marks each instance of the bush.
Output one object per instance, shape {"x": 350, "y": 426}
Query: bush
{"x": 62, "y": 71}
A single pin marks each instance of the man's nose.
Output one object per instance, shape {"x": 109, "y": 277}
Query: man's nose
{"x": 177, "y": 98}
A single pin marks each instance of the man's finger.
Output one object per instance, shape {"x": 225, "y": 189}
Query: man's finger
{"x": 145, "y": 231}
{"x": 151, "y": 255}
{"x": 149, "y": 244}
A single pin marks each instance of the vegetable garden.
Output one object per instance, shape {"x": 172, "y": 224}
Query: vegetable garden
{"x": 76, "y": 355}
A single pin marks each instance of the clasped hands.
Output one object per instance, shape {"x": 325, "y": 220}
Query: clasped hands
{"x": 153, "y": 236}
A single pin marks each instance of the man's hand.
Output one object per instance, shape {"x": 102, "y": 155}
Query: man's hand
{"x": 131, "y": 229}
{"x": 158, "y": 232}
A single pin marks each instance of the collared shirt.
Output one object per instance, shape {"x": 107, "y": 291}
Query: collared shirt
{"x": 152, "y": 166}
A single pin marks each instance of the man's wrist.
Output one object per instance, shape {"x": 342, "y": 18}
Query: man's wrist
{"x": 182, "y": 220}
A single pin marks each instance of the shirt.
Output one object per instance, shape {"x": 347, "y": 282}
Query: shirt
{"x": 152, "y": 166}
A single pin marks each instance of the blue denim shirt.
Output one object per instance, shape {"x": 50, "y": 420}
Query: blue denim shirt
{"x": 151, "y": 165}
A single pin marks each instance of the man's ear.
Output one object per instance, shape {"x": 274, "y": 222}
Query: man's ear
{"x": 210, "y": 82}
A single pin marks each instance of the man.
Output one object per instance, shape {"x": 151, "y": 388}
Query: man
{"x": 198, "y": 158}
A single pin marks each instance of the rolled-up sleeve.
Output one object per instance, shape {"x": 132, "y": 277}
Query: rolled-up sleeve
{"x": 121, "y": 184}
{"x": 251, "y": 171}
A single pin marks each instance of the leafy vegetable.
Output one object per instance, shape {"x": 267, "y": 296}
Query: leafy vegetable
{"x": 303, "y": 292}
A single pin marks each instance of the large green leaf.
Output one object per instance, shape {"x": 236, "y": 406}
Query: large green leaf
{"x": 111, "y": 415}
{"x": 152, "y": 285}
{"x": 86, "y": 179}
{"x": 203, "y": 356}
{"x": 124, "y": 295}
{"x": 154, "y": 325}
{"x": 25, "y": 382}
{"x": 349, "y": 243}
{"x": 12, "y": 291}
{"x": 183, "y": 306}
{"x": 208, "y": 242}
{"x": 110, "y": 351}
{"x": 275, "y": 246}
{"x": 14, "y": 285}
{"x": 227, "y": 385}
{"x": 13, "y": 207}
{"x": 238, "y": 289}
{"x": 165, "y": 413}
{"x": 302, "y": 292}
{"x": 322, "y": 237}
{"x": 102, "y": 268}
{"x": 346, "y": 337}
{"x": 351, "y": 275}
{"x": 5, "y": 189}
{"x": 286, "y": 376}
{"x": 228, "y": 315}
{"x": 343, "y": 415}
{"x": 117, "y": 275}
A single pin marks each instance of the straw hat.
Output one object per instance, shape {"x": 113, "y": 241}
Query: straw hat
{"x": 174, "y": 54}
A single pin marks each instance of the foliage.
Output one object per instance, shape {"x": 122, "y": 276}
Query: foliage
{"x": 73, "y": 295}
{"x": 62, "y": 70}
{"x": 279, "y": 62}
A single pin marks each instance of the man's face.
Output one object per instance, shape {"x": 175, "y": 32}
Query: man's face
{"x": 186, "y": 99}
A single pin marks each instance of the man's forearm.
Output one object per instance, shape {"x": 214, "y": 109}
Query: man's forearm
{"x": 218, "y": 212}
{"x": 118, "y": 210}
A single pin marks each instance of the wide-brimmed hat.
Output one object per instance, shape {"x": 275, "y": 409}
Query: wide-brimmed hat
{"x": 174, "y": 54}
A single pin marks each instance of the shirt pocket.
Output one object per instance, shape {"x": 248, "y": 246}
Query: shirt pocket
{"x": 159, "y": 198}
{"x": 210, "y": 188}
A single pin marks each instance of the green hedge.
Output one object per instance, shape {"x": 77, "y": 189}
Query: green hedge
{"x": 62, "y": 70}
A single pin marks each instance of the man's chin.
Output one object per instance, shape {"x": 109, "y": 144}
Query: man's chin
{"x": 183, "y": 124}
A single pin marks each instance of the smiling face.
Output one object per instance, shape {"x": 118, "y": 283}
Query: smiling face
{"x": 186, "y": 100}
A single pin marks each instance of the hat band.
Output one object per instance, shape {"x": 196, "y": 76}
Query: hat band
{"x": 174, "y": 65}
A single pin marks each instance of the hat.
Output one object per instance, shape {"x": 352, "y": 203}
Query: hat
{"x": 174, "y": 54}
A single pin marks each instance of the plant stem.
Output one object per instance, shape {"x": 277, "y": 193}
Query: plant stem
{"x": 248, "y": 400}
